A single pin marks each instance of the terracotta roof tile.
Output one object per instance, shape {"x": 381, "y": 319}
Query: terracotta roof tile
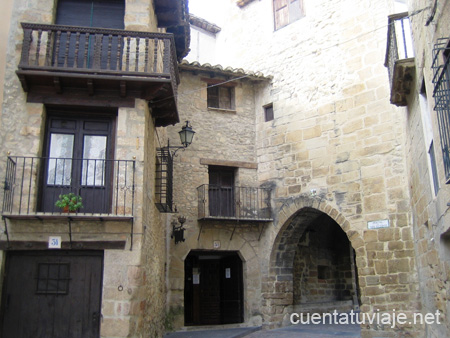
{"x": 237, "y": 72}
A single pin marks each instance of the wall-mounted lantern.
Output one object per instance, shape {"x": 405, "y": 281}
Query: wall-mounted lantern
{"x": 178, "y": 230}
{"x": 186, "y": 135}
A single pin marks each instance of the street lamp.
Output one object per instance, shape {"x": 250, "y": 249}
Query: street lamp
{"x": 186, "y": 135}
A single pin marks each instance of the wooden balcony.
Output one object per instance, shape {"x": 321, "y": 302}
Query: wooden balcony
{"x": 400, "y": 58}
{"x": 100, "y": 67}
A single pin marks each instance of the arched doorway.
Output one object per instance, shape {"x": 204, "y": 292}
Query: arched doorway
{"x": 213, "y": 289}
{"x": 309, "y": 250}
{"x": 324, "y": 274}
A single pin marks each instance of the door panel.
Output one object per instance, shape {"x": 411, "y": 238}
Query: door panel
{"x": 52, "y": 294}
{"x": 231, "y": 297}
{"x": 79, "y": 161}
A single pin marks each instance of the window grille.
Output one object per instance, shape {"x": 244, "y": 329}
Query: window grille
{"x": 53, "y": 278}
{"x": 164, "y": 180}
{"x": 441, "y": 94}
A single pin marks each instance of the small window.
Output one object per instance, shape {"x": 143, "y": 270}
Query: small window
{"x": 434, "y": 173}
{"x": 53, "y": 278}
{"x": 323, "y": 272}
{"x": 221, "y": 97}
{"x": 287, "y": 11}
{"x": 268, "y": 112}
{"x": 164, "y": 181}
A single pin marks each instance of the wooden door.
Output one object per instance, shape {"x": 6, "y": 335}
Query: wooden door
{"x": 231, "y": 290}
{"x": 90, "y": 13}
{"x": 52, "y": 294}
{"x": 213, "y": 292}
{"x": 221, "y": 192}
{"x": 78, "y": 160}
{"x": 209, "y": 296}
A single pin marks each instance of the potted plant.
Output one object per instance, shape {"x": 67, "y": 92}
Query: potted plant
{"x": 69, "y": 202}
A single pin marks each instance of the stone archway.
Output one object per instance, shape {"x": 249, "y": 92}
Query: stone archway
{"x": 295, "y": 217}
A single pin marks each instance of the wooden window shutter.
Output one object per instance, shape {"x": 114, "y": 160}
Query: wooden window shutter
{"x": 281, "y": 11}
{"x": 287, "y": 11}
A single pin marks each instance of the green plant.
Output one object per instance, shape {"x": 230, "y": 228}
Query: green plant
{"x": 69, "y": 201}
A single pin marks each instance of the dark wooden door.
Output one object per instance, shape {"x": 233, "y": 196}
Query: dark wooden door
{"x": 89, "y": 13}
{"x": 78, "y": 160}
{"x": 213, "y": 291}
{"x": 221, "y": 192}
{"x": 209, "y": 291}
{"x": 52, "y": 294}
{"x": 232, "y": 289}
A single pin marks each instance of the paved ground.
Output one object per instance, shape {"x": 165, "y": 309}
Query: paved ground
{"x": 306, "y": 331}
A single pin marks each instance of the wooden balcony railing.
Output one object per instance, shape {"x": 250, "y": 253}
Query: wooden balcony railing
{"x": 127, "y": 64}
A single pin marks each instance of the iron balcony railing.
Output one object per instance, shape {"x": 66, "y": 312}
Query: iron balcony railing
{"x": 234, "y": 203}
{"x": 399, "y": 42}
{"x": 441, "y": 94}
{"x": 99, "y": 51}
{"x": 33, "y": 185}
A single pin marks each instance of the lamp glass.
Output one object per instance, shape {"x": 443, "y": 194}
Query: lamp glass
{"x": 186, "y": 135}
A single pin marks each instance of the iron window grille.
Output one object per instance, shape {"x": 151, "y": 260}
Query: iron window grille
{"x": 441, "y": 94}
{"x": 164, "y": 180}
{"x": 53, "y": 278}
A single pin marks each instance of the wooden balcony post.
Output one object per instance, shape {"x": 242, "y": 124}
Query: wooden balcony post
{"x": 97, "y": 51}
{"x": 27, "y": 38}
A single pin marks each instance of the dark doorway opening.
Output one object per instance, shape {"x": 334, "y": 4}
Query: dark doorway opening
{"x": 324, "y": 270}
{"x": 213, "y": 290}
{"x": 52, "y": 294}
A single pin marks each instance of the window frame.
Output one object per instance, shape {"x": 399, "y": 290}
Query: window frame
{"x": 221, "y": 88}
{"x": 268, "y": 112}
{"x": 284, "y": 15}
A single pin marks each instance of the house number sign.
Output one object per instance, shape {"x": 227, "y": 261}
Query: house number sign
{"x": 54, "y": 242}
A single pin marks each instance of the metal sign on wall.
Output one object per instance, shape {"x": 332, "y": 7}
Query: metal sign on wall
{"x": 380, "y": 224}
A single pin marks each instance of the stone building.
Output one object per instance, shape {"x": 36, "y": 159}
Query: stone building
{"x": 89, "y": 86}
{"x": 420, "y": 83}
{"x": 305, "y": 189}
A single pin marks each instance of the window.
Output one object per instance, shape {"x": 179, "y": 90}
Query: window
{"x": 434, "y": 173}
{"x": 221, "y": 97}
{"x": 78, "y": 159}
{"x": 268, "y": 112}
{"x": 164, "y": 180}
{"x": 323, "y": 272}
{"x": 428, "y": 137}
{"x": 53, "y": 278}
{"x": 287, "y": 11}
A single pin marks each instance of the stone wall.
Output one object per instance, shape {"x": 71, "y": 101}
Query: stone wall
{"x": 430, "y": 210}
{"x": 336, "y": 146}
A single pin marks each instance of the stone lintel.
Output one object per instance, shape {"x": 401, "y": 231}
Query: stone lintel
{"x": 226, "y": 163}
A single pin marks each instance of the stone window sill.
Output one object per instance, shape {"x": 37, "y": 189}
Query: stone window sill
{"x": 222, "y": 110}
